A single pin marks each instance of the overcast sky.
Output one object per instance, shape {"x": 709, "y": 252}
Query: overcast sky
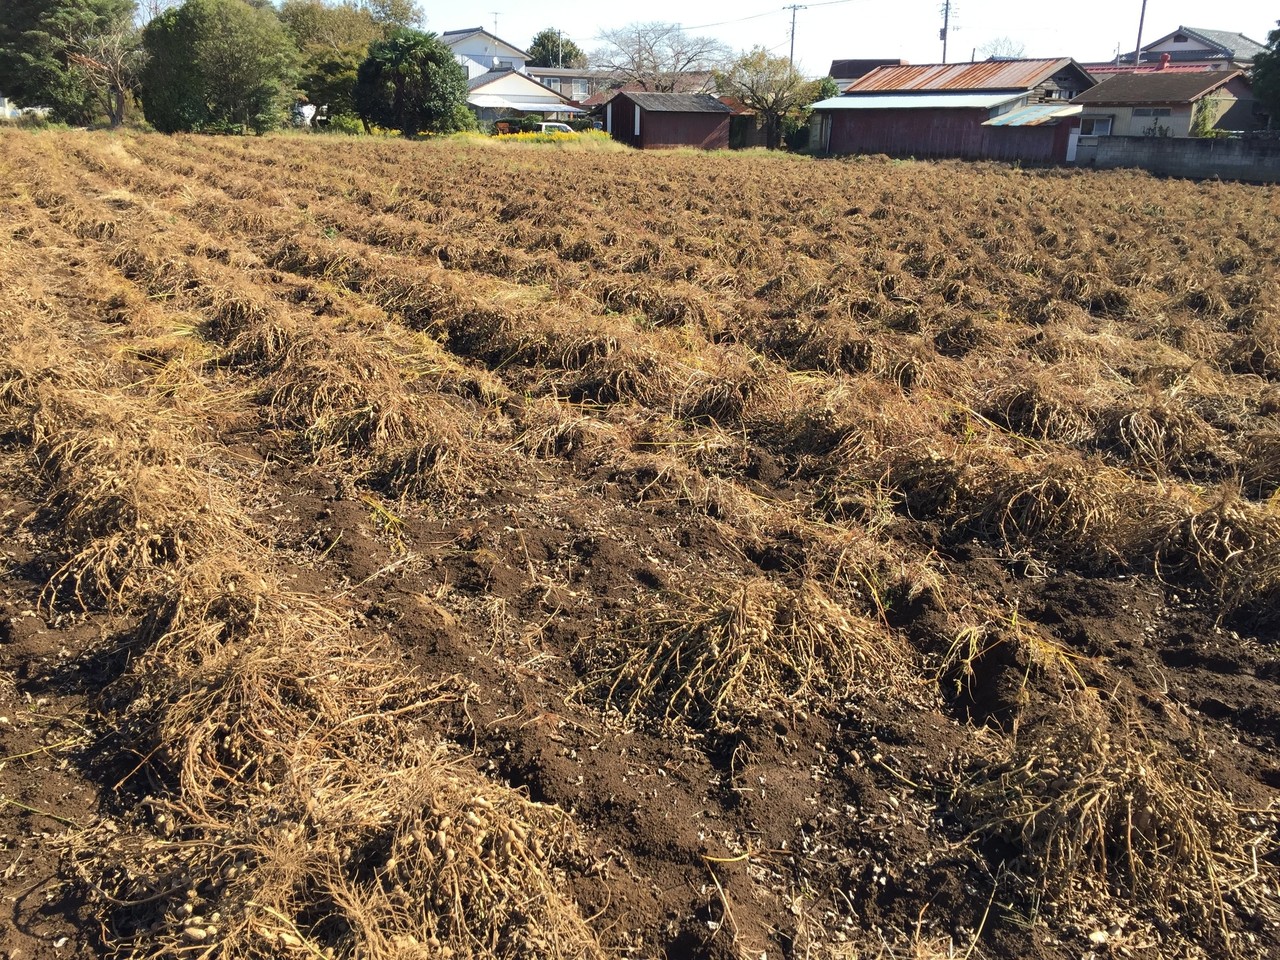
{"x": 906, "y": 29}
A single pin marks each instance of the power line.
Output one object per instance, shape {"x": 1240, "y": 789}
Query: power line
{"x": 767, "y": 13}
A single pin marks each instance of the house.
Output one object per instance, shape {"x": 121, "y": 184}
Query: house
{"x": 503, "y": 93}
{"x": 479, "y": 51}
{"x": 577, "y": 85}
{"x": 1165, "y": 103}
{"x": 1205, "y": 49}
{"x": 1014, "y": 110}
{"x": 844, "y": 72}
{"x": 656, "y": 120}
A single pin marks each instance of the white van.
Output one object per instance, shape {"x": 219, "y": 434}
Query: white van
{"x": 555, "y": 128}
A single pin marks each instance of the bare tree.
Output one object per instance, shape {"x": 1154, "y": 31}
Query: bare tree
{"x": 1002, "y": 48}
{"x": 659, "y": 56}
{"x": 148, "y": 10}
{"x": 110, "y": 62}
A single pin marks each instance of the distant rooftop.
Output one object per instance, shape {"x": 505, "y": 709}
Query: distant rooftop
{"x": 1160, "y": 86}
{"x": 956, "y": 77}
{"x": 677, "y": 102}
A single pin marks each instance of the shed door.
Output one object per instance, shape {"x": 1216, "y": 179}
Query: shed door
{"x": 608, "y": 118}
{"x": 1073, "y": 141}
{"x": 637, "y": 119}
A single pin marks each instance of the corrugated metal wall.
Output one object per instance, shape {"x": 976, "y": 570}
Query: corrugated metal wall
{"x": 659, "y": 129}
{"x": 944, "y": 133}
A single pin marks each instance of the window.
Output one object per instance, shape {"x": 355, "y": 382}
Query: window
{"x": 506, "y": 64}
{"x": 1152, "y": 111}
{"x": 552, "y": 82}
{"x": 580, "y": 91}
{"x": 1095, "y": 127}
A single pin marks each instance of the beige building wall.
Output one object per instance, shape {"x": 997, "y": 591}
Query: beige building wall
{"x": 1152, "y": 121}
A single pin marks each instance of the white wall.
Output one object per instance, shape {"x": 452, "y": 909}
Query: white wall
{"x": 479, "y": 54}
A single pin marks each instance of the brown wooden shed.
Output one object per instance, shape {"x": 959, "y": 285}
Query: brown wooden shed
{"x": 656, "y": 120}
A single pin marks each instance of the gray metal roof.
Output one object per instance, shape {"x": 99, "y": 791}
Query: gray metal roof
{"x": 1214, "y": 45}
{"x": 1035, "y": 115}
{"x": 676, "y": 102}
{"x": 1236, "y": 45}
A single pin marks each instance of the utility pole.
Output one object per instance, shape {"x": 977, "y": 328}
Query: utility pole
{"x": 791, "y": 57}
{"x": 1137, "y": 51}
{"x": 946, "y": 27}
{"x": 559, "y": 50}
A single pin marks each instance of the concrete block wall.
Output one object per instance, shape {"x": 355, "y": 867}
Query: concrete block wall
{"x": 1255, "y": 161}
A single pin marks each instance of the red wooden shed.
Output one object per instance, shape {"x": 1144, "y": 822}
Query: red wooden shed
{"x": 1012, "y": 110}
{"x": 657, "y": 120}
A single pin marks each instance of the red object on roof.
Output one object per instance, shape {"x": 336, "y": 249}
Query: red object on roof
{"x": 984, "y": 75}
{"x": 1099, "y": 69}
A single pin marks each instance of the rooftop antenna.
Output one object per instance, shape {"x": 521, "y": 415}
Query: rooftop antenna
{"x": 495, "y": 21}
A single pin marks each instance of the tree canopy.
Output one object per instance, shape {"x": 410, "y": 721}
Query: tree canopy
{"x": 660, "y": 57}
{"x": 411, "y": 82}
{"x": 216, "y": 65}
{"x": 769, "y": 85}
{"x": 39, "y": 40}
{"x": 551, "y": 48}
{"x": 1266, "y": 77}
{"x": 316, "y": 25}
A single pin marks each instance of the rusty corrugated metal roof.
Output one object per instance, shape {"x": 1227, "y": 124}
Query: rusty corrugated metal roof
{"x": 919, "y": 101}
{"x": 984, "y": 75}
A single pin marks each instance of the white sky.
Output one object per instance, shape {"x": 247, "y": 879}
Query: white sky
{"x": 906, "y": 29}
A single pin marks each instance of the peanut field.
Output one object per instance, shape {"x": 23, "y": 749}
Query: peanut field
{"x": 463, "y": 550}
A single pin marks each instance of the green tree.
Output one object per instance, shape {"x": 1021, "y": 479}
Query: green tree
{"x": 333, "y": 39}
{"x": 395, "y": 13}
{"x": 411, "y": 82}
{"x": 329, "y": 79}
{"x": 38, "y": 39}
{"x": 551, "y": 48}
{"x": 769, "y": 85}
{"x": 1266, "y": 77}
{"x": 216, "y": 65}
{"x": 331, "y": 26}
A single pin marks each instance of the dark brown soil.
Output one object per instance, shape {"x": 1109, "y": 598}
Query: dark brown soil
{"x": 765, "y": 835}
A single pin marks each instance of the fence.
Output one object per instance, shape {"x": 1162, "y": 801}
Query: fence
{"x": 1254, "y": 160}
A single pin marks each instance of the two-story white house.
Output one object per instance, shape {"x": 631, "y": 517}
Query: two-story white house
{"x": 480, "y": 52}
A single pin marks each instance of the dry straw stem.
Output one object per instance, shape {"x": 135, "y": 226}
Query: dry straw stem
{"x": 347, "y": 395}
{"x": 1099, "y": 811}
{"x": 1042, "y": 406}
{"x": 1008, "y": 639}
{"x": 555, "y": 427}
{"x": 1085, "y": 510}
{"x": 1231, "y": 546}
{"x": 123, "y": 497}
{"x": 1159, "y": 434}
{"x": 398, "y": 853}
{"x": 748, "y": 647}
{"x": 1261, "y": 459}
